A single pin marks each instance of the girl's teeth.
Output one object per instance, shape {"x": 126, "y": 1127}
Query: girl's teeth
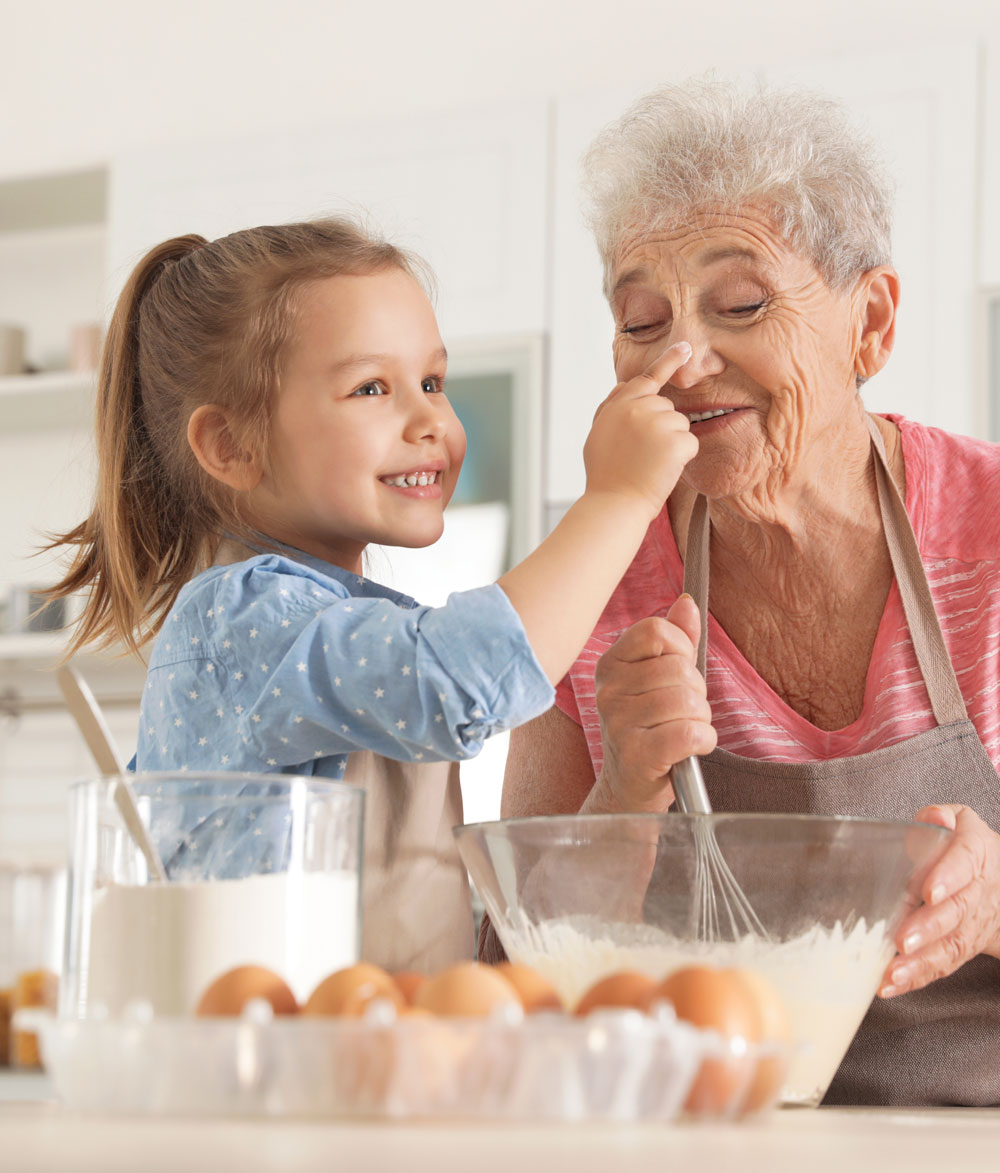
{"x": 413, "y": 478}
{"x": 696, "y": 416}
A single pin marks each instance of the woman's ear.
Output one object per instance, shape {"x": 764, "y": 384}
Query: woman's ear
{"x": 218, "y": 451}
{"x": 877, "y": 298}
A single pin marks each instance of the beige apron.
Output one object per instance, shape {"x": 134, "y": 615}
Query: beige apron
{"x": 939, "y": 1045}
{"x": 417, "y": 913}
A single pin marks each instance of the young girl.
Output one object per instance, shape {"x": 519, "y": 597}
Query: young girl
{"x": 269, "y": 404}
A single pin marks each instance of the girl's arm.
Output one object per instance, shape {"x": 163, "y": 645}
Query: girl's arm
{"x": 634, "y": 455}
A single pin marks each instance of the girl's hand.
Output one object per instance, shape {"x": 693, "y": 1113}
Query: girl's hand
{"x": 638, "y": 444}
{"x": 653, "y": 708}
{"x": 960, "y": 916}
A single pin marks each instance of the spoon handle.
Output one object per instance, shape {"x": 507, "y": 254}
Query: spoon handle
{"x": 83, "y": 705}
{"x": 128, "y": 808}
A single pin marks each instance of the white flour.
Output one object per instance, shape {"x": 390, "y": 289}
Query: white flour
{"x": 166, "y": 942}
{"x": 826, "y": 978}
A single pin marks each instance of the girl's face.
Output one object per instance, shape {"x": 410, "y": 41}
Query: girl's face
{"x": 364, "y": 447}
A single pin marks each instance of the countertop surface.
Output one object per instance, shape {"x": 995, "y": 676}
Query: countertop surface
{"x": 37, "y": 1134}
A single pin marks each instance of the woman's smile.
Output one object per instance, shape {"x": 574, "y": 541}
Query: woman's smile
{"x": 706, "y": 420}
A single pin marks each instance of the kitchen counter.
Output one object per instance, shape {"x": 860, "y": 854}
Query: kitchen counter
{"x": 36, "y": 1136}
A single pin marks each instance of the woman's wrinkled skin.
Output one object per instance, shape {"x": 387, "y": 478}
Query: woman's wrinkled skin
{"x": 800, "y": 568}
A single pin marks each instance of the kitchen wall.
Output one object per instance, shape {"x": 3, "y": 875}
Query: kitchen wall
{"x": 80, "y": 82}
{"x": 88, "y": 87}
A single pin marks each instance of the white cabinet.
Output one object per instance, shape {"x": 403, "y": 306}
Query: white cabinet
{"x": 581, "y": 371}
{"x": 990, "y": 204}
{"x": 923, "y": 105}
{"x": 465, "y": 189}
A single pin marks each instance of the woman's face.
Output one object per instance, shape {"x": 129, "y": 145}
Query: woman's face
{"x": 773, "y": 349}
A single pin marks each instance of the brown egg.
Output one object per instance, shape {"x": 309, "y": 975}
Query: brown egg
{"x": 232, "y": 990}
{"x": 624, "y": 989}
{"x": 719, "y": 1000}
{"x": 534, "y": 991}
{"x": 408, "y": 983}
{"x": 414, "y": 1012}
{"x": 466, "y": 990}
{"x": 348, "y": 991}
{"x": 775, "y": 1029}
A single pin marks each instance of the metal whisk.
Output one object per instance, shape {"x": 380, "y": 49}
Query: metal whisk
{"x": 716, "y": 888}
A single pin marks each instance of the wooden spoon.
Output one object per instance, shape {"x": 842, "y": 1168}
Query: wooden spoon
{"x": 86, "y": 712}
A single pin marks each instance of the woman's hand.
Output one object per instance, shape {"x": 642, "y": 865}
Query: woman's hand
{"x": 653, "y": 710}
{"x": 960, "y": 916}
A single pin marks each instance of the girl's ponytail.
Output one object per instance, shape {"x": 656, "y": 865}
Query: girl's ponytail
{"x": 128, "y": 549}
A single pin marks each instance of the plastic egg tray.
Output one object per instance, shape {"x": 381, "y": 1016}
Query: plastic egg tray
{"x": 617, "y": 1065}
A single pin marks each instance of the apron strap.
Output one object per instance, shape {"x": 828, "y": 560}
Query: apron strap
{"x": 918, "y": 605}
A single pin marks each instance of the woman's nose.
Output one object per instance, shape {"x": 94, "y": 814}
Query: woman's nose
{"x": 703, "y": 363}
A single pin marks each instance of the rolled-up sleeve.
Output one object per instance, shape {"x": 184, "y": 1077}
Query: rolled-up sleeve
{"x": 366, "y": 673}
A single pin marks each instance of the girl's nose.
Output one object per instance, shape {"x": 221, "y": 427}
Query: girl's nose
{"x": 428, "y": 420}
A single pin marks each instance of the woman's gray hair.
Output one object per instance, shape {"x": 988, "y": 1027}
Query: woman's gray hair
{"x": 708, "y": 145}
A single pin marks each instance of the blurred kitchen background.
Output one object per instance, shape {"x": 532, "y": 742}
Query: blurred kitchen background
{"x": 458, "y": 129}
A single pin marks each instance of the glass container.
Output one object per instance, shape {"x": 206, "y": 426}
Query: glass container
{"x": 262, "y": 870}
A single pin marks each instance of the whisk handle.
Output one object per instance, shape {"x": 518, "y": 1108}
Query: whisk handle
{"x": 689, "y": 788}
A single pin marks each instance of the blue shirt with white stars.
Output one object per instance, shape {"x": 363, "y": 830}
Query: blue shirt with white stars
{"x": 284, "y": 663}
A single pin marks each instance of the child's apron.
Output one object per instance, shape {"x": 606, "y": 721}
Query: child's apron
{"x": 417, "y": 913}
{"x": 939, "y": 1045}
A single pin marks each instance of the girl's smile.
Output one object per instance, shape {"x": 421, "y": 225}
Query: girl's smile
{"x": 425, "y": 479}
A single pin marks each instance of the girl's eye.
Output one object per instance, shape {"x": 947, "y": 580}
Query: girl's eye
{"x": 369, "y": 389}
{"x": 432, "y": 384}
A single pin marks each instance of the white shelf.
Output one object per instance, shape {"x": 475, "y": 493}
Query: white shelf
{"x": 28, "y": 680}
{"x": 49, "y": 400}
{"x": 39, "y": 649}
{"x": 25, "y": 1086}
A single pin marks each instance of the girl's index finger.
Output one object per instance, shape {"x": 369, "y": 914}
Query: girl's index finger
{"x": 653, "y": 378}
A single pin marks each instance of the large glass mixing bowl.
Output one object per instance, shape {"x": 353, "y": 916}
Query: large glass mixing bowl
{"x": 581, "y": 896}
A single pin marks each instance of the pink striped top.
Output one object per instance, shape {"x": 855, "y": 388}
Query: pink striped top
{"x": 953, "y": 500}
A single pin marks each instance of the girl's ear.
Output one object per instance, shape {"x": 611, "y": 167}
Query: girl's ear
{"x": 877, "y": 295}
{"x": 217, "y": 449}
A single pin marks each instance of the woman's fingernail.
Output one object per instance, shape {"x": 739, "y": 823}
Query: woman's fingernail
{"x": 938, "y": 893}
{"x": 901, "y": 975}
{"x": 685, "y": 348}
{"x": 685, "y": 595}
{"x": 887, "y": 991}
{"x": 912, "y": 942}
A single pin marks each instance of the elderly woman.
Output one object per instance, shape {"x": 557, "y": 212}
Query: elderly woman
{"x": 853, "y": 613}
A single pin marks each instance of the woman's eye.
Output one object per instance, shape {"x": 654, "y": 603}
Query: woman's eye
{"x": 369, "y": 389}
{"x": 745, "y": 311}
{"x": 641, "y": 328}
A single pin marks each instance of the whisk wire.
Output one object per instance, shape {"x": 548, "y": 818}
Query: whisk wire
{"x": 714, "y": 882}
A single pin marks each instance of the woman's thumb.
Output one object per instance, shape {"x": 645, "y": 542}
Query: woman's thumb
{"x": 685, "y": 615}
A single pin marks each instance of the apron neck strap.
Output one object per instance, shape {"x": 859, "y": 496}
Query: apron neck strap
{"x": 918, "y": 605}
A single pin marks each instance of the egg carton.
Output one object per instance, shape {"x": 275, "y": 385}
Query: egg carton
{"x": 613, "y": 1066}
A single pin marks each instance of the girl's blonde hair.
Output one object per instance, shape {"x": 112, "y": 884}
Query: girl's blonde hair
{"x": 197, "y": 323}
